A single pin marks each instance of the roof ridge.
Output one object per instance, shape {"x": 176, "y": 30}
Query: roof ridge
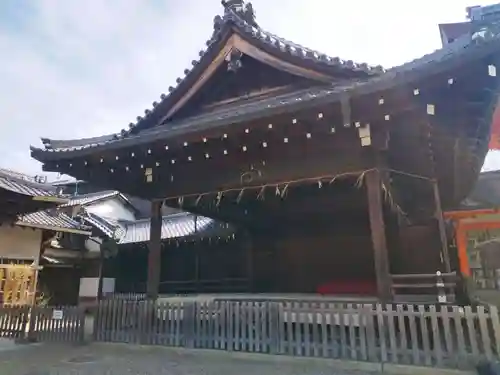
{"x": 95, "y": 193}
{"x": 17, "y": 177}
{"x": 12, "y": 173}
{"x": 164, "y": 217}
{"x": 85, "y": 199}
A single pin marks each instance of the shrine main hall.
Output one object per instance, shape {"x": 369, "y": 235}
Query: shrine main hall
{"x": 333, "y": 173}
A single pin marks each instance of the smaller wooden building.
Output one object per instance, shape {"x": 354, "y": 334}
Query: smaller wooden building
{"x": 20, "y": 194}
{"x": 25, "y": 236}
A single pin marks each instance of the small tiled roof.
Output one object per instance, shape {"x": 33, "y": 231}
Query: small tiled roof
{"x": 173, "y": 226}
{"x": 106, "y": 226}
{"x": 25, "y": 185}
{"x": 458, "y": 52}
{"x": 486, "y": 193}
{"x": 52, "y": 220}
{"x": 86, "y": 199}
{"x": 66, "y": 182}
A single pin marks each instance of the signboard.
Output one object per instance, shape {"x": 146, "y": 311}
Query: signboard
{"x": 57, "y": 314}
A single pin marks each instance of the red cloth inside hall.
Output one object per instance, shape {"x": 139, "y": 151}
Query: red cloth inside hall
{"x": 355, "y": 287}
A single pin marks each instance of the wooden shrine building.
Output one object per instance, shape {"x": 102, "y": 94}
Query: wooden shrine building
{"x": 25, "y": 236}
{"x": 19, "y": 196}
{"x": 337, "y": 169}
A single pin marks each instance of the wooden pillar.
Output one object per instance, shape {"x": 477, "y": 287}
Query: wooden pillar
{"x": 377, "y": 226}
{"x": 197, "y": 254}
{"x": 154, "y": 255}
{"x": 101, "y": 276}
{"x": 438, "y": 214}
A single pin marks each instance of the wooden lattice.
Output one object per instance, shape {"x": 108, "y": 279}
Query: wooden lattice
{"x": 17, "y": 284}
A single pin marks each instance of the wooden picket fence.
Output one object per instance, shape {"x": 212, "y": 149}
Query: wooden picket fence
{"x": 443, "y": 336}
{"x": 55, "y": 324}
{"x": 13, "y": 321}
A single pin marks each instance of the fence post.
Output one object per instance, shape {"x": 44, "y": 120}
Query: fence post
{"x": 440, "y": 288}
{"x": 88, "y": 320}
{"x": 274, "y": 328}
{"x": 189, "y": 323}
{"x": 96, "y": 312}
{"x": 31, "y": 314}
{"x": 145, "y": 314}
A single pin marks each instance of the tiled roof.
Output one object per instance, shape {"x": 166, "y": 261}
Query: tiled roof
{"x": 66, "y": 182}
{"x": 455, "y": 30}
{"x": 86, "y": 199}
{"x": 109, "y": 228}
{"x": 25, "y": 185}
{"x": 234, "y": 21}
{"x": 173, "y": 226}
{"x": 53, "y": 220}
{"x": 458, "y": 52}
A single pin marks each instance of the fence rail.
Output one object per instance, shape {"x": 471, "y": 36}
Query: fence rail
{"x": 443, "y": 336}
{"x": 439, "y": 287}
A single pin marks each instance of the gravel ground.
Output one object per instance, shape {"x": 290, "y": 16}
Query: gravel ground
{"x": 111, "y": 359}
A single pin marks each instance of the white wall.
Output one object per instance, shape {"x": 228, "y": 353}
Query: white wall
{"x": 113, "y": 209}
{"x": 93, "y": 245}
{"x": 90, "y": 285}
{"x": 19, "y": 243}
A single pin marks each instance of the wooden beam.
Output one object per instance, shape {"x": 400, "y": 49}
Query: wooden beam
{"x": 154, "y": 255}
{"x": 470, "y": 214}
{"x": 381, "y": 256}
{"x": 438, "y": 213}
{"x": 274, "y": 172}
{"x": 481, "y": 225}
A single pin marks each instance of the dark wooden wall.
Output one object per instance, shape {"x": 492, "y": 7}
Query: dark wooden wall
{"x": 61, "y": 284}
{"x": 420, "y": 249}
{"x": 284, "y": 259}
{"x": 185, "y": 268}
{"x": 300, "y": 258}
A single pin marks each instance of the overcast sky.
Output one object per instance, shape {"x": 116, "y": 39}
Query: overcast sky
{"x": 82, "y": 68}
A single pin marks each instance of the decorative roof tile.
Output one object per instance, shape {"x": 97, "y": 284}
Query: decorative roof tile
{"x": 52, "y": 220}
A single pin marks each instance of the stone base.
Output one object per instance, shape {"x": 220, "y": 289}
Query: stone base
{"x": 488, "y": 368}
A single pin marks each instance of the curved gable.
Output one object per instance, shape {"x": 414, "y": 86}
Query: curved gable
{"x": 235, "y": 33}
